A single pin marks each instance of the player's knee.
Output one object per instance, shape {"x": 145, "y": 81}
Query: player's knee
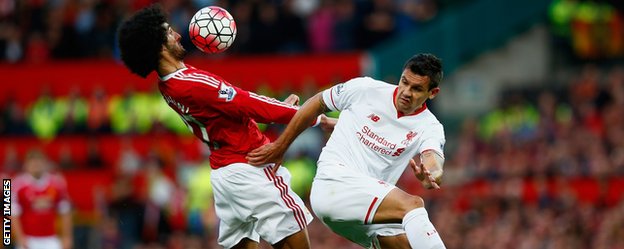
{"x": 412, "y": 203}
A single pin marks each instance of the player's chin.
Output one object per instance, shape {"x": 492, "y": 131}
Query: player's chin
{"x": 180, "y": 54}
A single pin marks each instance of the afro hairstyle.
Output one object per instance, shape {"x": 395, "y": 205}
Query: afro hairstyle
{"x": 141, "y": 38}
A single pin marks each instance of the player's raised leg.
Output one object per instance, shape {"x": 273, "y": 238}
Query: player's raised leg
{"x": 393, "y": 242}
{"x": 409, "y": 210}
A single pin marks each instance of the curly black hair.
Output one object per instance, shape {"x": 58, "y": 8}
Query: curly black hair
{"x": 426, "y": 65}
{"x": 141, "y": 38}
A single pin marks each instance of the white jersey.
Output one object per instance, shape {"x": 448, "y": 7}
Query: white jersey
{"x": 371, "y": 136}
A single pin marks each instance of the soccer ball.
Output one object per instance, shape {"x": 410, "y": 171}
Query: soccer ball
{"x": 212, "y": 29}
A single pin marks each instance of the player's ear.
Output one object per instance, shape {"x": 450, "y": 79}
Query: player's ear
{"x": 434, "y": 92}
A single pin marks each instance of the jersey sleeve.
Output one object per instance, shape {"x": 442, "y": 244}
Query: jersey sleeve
{"x": 232, "y": 101}
{"x": 433, "y": 139}
{"x": 341, "y": 96}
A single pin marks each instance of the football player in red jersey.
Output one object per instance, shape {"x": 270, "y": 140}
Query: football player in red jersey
{"x": 251, "y": 202}
{"x": 39, "y": 198}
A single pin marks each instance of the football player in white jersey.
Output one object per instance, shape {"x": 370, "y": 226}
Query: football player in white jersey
{"x": 381, "y": 128}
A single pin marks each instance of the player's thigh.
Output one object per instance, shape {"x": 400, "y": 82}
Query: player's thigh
{"x": 367, "y": 236}
{"x": 394, "y": 207}
{"x": 393, "y": 242}
{"x": 346, "y": 195}
{"x": 252, "y": 202}
{"x": 299, "y": 240}
{"x": 347, "y": 201}
{"x": 246, "y": 243}
{"x": 238, "y": 234}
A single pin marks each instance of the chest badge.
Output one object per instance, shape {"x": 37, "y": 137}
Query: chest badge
{"x": 409, "y": 137}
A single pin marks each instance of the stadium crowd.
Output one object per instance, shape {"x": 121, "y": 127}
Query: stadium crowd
{"x": 543, "y": 170}
{"x": 39, "y": 30}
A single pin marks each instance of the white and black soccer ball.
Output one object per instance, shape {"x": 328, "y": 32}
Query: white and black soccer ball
{"x": 212, "y": 29}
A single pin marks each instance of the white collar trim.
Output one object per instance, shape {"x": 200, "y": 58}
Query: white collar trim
{"x": 169, "y": 76}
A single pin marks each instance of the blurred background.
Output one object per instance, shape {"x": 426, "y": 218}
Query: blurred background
{"x": 532, "y": 103}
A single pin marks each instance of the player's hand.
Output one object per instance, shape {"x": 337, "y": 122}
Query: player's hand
{"x": 268, "y": 153}
{"x": 292, "y": 100}
{"x": 423, "y": 174}
{"x": 327, "y": 124}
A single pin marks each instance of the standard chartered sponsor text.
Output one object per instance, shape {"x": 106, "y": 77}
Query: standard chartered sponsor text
{"x": 374, "y": 141}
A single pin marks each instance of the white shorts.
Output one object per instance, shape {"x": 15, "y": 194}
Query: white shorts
{"x": 48, "y": 242}
{"x": 347, "y": 200}
{"x": 253, "y": 203}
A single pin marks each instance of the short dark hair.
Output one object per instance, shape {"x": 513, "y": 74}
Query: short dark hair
{"x": 141, "y": 38}
{"x": 426, "y": 65}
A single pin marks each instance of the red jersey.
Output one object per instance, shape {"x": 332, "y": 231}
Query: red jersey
{"x": 223, "y": 116}
{"x": 38, "y": 201}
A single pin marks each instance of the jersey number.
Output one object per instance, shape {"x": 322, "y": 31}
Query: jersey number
{"x": 188, "y": 120}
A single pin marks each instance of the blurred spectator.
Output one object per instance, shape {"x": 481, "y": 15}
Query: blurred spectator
{"x": 46, "y": 115}
{"x": 160, "y": 199}
{"x": 414, "y": 13}
{"x": 39, "y": 196}
{"x": 94, "y": 154}
{"x": 11, "y": 47}
{"x": 126, "y": 112}
{"x": 200, "y": 209}
{"x": 345, "y": 25}
{"x": 129, "y": 162}
{"x": 378, "y": 24}
{"x": 589, "y": 29}
{"x": 37, "y": 49}
{"x": 517, "y": 119}
{"x": 128, "y": 212}
{"x": 97, "y": 114}
{"x": 13, "y": 119}
{"x": 302, "y": 170}
{"x": 11, "y": 162}
{"x": 264, "y": 38}
{"x": 75, "y": 110}
{"x": 66, "y": 159}
{"x": 320, "y": 28}
{"x": 292, "y": 28}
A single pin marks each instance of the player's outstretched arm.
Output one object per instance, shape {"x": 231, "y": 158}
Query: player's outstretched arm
{"x": 273, "y": 152}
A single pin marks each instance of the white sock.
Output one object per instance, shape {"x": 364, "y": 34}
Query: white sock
{"x": 420, "y": 232}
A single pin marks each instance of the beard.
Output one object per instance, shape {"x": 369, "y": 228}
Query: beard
{"x": 179, "y": 53}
